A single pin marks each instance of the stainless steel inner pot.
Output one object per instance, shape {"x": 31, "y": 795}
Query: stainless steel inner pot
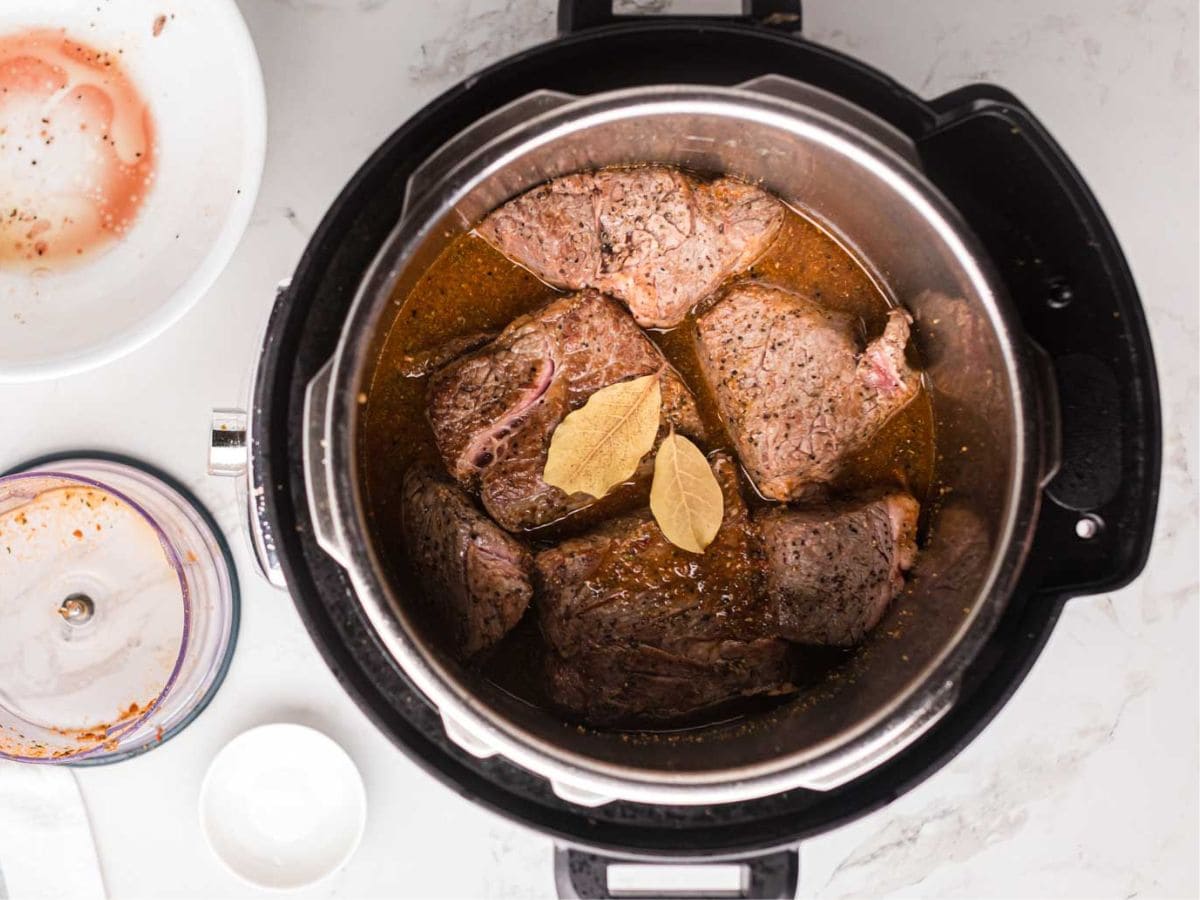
{"x": 859, "y": 179}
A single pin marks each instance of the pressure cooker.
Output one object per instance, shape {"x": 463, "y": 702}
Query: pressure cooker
{"x": 962, "y": 208}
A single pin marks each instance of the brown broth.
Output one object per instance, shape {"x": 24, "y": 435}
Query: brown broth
{"x": 472, "y": 288}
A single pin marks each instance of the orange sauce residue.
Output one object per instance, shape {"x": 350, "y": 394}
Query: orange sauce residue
{"x": 77, "y": 149}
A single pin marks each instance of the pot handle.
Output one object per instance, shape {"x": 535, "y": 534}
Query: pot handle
{"x": 234, "y": 452}
{"x": 838, "y": 108}
{"x": 229, "y": 456}
{"x": 321, "y": 504}
{"x": 583, "y": 875}
{"x": 1072, "y": 288}
{"x": 435, "y": 170}
{"x": 578, "y": 15}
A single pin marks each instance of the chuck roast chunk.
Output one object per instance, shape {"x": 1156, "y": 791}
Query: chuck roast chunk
{"x": 793, "y": 387}
{"x": 476, "y": 575}
{"x": 493, "y": 411}
{"x": 640, "y": 629}
{"x": 832, "y": 571}
{"x": 652, "y": 236}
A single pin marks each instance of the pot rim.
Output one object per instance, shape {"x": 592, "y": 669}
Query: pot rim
{"x": 479, "y": 728}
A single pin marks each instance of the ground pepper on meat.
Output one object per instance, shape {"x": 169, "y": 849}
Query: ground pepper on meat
{"x": 472, "y": 289}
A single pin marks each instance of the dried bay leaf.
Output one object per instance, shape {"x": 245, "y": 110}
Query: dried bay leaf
{"x": 599, "y": 445}
{"x": 685, "y": 497}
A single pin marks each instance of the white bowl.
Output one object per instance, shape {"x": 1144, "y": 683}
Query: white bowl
{"x": 283, "y": 806}
{"x": 202, "y": 83}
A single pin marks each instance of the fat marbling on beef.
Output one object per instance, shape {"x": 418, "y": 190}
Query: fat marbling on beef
{"x": 652, "y": 236}
{"x": 793, "y": 387}
{"x": 493, "y": 411}
{"x": 476, "y": 576}
{"x": 639, "y": 629}
{"x": 832, "y": 571}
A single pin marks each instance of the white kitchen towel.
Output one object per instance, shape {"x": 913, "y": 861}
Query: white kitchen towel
{"x": 46, "y": 846}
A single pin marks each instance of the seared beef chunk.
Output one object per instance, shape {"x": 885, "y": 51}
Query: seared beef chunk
{"x": 792, "y": 386}
{"x": 640, "y": 629}
{"x": 477, "y": 576}
{"x": 654, "y": 237}
{"x": 831, "y": 572}
{"x": 493, "y": 412}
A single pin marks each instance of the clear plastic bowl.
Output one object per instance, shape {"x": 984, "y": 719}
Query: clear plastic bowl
{"x": 118, "y": 611}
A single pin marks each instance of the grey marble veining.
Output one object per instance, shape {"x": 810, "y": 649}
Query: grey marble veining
{"x": 480, "y": 37}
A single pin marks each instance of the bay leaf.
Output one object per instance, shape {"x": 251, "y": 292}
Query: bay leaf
{"x": 599, "y": 445}
{"x": 685, "y": 497}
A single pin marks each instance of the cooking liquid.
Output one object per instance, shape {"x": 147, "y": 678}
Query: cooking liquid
{"x": 471, "y": 288}
{"x": 77, "y": 150}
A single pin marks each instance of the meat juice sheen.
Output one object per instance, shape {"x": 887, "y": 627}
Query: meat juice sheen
{"x": 77, "y": 149}
{"x": 472, "y": 288}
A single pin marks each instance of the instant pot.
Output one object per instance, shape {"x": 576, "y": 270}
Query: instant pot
{"x": 1042, "y": 381}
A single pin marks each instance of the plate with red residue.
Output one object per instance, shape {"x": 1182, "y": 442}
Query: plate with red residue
{"x": 132, "y": 138}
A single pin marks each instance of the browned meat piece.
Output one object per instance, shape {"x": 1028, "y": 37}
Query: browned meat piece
{"x": 831, "y": 572}
{"x": 477, "y": 576}
{"x": 652, "y": 236}
{"x": 639, "y": 629}
{"x": 493, "y": 412}
{"x": 792, "y": 386}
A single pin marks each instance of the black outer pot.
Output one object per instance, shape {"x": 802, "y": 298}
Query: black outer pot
{"x": 1063, "y": 269}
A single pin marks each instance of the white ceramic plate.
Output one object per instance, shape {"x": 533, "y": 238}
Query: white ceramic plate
{"x": 202, "y": 84}
{"x": 283, "y": 806}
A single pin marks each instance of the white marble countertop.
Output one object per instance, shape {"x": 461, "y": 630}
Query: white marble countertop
{"x": 1084, "y": 785}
